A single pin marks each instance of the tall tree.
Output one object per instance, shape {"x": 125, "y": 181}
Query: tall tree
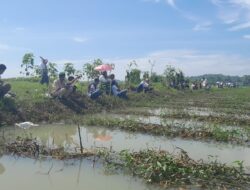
{"x": 89, "y": 69}
{"x": 28, "y": 64}
{"x": 69, "y": 69}
{"x": 129, "y": 76}
{"x": 52, "y": 70}
{"x": 146, "y": 75}
{"x": 135, "y": 75}
{"x": 170, "y": 75}
{"x": 174, "y": 78}
{"x": 246, "y": 80}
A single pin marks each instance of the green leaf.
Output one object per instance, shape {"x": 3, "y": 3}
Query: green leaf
{"x": 159, "y": 164}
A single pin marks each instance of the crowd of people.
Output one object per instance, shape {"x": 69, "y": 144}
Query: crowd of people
{"x": 203, "y": 84}
{"x": 66, "y": 88}
{"x": 103, "y": 85}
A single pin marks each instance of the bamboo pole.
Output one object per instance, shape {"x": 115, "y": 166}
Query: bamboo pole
{"x": 79, "y": 132}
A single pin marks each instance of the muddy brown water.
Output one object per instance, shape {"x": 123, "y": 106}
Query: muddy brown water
{"x": 28, "y": 174}
{"x": 66, "y": 136}
{"x": 198, "y": 111}
{"x": 176, "y": 123}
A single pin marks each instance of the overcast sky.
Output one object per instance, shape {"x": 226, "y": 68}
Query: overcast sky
{"x": 197, "y": 36}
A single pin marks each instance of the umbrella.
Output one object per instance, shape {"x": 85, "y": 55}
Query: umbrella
{"x": 103, "y": 138}
{"x": 104, "y": 67}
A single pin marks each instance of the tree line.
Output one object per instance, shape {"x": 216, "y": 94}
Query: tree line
{"x": 171, "y": 76}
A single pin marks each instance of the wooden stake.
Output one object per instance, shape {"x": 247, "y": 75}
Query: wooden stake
{"x": 79, "y": 132}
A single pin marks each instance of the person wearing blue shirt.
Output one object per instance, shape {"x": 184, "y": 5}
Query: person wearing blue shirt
{"x": 116, "y": 90}
{"x": 93, "y": 90}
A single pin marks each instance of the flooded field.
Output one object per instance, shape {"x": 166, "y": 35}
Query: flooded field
{"x": 80, "y": 174}
{"x": 28, "y": 174}
{"x": 59, "y": 135}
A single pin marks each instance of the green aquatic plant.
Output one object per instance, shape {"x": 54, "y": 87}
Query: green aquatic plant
{"x": 154, "y": 166}
{"x": 211, "y": 132}
{"x": 240, "y": 165}
{"x": 170, "y": 170}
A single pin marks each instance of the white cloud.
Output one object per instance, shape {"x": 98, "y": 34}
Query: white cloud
{"x": 190, "y": 61}
{"x": 217, "y": 2}
{"x": 171, "y": 3}
{"x": 229, "y": 16}
{"x": 202, "y": 26}
{"x": 240, "y": 26}
{"x": 80, "y": 39}
{"x": 241, "y": 3}
{"x": 246, "y": 37}
{"x": 234, "y": 13}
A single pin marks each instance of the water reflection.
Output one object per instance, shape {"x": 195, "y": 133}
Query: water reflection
{"x": 27, "y": 174}
{"x": 175, "y": 123}
{"x": 99, "y": 134}
{"x": 67, "y": 136}
{"x": 198, "y": 111}
{"x": 2, "y": 169}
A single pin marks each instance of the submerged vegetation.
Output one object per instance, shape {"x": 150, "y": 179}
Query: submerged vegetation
{"x": 211, "y": 132}
{"x": 168, "y": 170}
{"x": 157, "y": 167}
{"x": 220, "y": 115}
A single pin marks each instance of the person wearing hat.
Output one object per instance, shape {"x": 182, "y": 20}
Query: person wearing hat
{"x": 4, "y": 88}
{"x": 44, "y": 71}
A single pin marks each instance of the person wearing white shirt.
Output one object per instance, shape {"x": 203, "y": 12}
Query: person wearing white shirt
{"x": 105, "y": 83}
{"x": 143, "y": 86}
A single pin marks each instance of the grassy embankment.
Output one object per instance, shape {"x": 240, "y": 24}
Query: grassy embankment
{"x": 32, "y": 104}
